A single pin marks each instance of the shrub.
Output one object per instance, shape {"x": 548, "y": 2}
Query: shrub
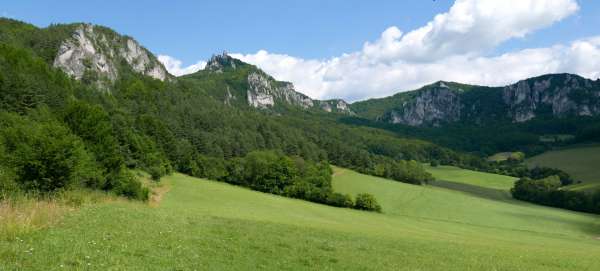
{"x": 44, "y": 156}
{"x": 367, "y": 202}
{"x": 340, "y": 200}
{"x": 125, "y": 184}
{"x": 155, "y": 173}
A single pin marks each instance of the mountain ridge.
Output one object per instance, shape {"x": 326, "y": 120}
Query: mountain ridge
{"x": 550, "y": 95}
{"x": 99, "y": 55}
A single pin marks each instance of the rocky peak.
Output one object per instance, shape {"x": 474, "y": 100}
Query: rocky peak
{"x": 218, "y": 63}
{"x": 96, "y": 52}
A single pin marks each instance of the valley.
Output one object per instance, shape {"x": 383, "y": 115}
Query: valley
{"x": 113, "y": 157}
{"x": 201, "y": 224}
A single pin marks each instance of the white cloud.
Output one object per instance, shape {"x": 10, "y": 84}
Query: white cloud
{"x": 354, "y": 77}
{"x": 453, "y": 47}
{"x": 469, "y": 27}
{"x": 173, "y": 65}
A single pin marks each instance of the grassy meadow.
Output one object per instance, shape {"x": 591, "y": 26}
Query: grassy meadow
{"x": 196, "y": 224}
{"x": 583, "y": 163}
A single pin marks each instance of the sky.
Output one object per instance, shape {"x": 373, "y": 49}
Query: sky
{"x": 353, "y": 49}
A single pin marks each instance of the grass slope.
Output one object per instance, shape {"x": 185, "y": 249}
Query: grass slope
{"x": 583, "y": 163}
{"x": 205, "y": 225}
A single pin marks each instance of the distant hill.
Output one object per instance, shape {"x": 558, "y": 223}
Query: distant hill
{"x": 543, "y": 97}
{"x": 238, "y": 83}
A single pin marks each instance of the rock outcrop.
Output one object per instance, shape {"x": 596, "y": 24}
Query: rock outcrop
{"x": 433, "y": 105}
{"x": 263, "y": 91}
{"x": 97, "y": 52}
{"x": 562, "y": 95}
{"x": 337, "y": 106}
{"x": 553, "y": 95}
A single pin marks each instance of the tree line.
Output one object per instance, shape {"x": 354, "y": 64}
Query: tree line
{"x": 549, "y": 191}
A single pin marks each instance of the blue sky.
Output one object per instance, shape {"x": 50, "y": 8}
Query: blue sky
{"x": 192, "y": 30}
{"x": 307, "y": 42}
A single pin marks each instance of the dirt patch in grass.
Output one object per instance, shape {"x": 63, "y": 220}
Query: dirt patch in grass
{"x": 158, "y": 191}
{"x": 338, "y": 171}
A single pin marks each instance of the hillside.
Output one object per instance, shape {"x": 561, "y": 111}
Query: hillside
{"x": 243, "y": 85}
{"x": 61, "y": 131}
{"x": 547, "y": 96}
{"x": 211, "y": 225}
{"x": 581, "y": 162}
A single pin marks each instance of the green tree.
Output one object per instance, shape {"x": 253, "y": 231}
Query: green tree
{"x": 365, "y": 201}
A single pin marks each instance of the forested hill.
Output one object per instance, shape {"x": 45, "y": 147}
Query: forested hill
{"x": 82, "y": 105}
{"x": 532, "y": 115}
{"x": 243, "y": 85}
{"x": 543, "y": 97}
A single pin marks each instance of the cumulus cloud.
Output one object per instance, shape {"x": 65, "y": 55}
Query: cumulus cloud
{"x": 469, "y": 27}
{"x": 354, "y": 77}
{"x": 454, "y": 46}
{"x": 174, "y": 66}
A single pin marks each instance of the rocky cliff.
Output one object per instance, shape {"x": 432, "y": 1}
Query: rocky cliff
{"x": 560, "y": 95}
{"x": 244, "y": 82}
{"x": 435, "y": 104}
{"x": 554, "y": 95}
{"x": 94, "y": 52}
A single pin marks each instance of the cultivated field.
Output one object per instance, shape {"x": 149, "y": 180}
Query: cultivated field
{"x": 206, "y": 225}
{"x": 583, "y": 163}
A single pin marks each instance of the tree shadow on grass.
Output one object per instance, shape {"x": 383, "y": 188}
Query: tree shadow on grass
{"x": 590, "y": 227}
{"x": 474, "y": 190}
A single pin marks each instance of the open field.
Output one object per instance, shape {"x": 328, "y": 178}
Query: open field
{"x": 503, "y": 156}
{"x": 206, "y": 225}
{"x": 583, "y": 163}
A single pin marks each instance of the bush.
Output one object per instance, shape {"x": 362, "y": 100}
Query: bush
{"x": 44, "y": 156}
{"x": 125, "y": 184}
{"x": 367, "y": 202}
{"x": 340, "y": 200}
{"x": 155, "y": 173}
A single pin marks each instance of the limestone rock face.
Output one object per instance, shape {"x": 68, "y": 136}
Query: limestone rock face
{"x": 562, "y": 96}
{"x": 433, "y": 106}
{"x": 260, "y": 90}
{"x": 336, "y": 105}
{"x": 218, "y": 63}
{"x": 80, "y": 53}
{"x": 95, "y": 50}
{"x": 547, "y": 96}
{"x": 264, "y": 91}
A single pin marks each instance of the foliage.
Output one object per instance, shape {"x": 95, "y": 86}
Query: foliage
{"x": 367, "y": 202}
{"x": 273, "y": 172}
{"x": 547, "y": 191}
{"x": 44, "y": 155}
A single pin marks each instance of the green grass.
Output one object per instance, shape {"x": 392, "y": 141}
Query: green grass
{"x": 205, "y": 225}
{"x": 503, "y": 156}
{"x": 583, "y": 163}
